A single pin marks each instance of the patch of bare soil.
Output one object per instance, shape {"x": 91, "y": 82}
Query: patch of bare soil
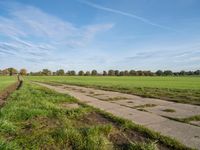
{"x": 5, "y": 93}
{"x": 95, "y": 118}
{"x": 120, "y": 140}
{"x": 36, "y": 124}
{"x": 42, "y": 124}
{"x": 120, "y": 137}
{"x": 70, "y": 105}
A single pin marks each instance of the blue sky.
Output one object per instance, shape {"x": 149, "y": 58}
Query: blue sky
{"x": 100, "y": 34}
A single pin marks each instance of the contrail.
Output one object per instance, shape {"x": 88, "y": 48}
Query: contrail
{"x": 142, "y": 19}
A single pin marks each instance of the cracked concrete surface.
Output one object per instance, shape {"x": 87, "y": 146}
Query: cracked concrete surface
{"x": 185, "y": 133}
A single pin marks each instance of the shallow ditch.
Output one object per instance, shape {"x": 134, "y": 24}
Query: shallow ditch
{"x": 7, "y": 91}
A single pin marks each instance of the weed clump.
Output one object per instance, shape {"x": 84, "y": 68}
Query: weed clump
{"x": 169, "y": 110}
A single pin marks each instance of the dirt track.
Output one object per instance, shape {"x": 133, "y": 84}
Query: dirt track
{"x": 5, "y": 93}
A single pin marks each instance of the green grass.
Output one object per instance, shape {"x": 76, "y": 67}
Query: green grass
{"x": 5, "y": 81}
{"x": 178, "y": 89}
{"x": 186, "y": 120}
{"x": 192, "y": 118}
{"x": 34, "y": 119}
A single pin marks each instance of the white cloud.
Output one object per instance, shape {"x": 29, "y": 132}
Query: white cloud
{"x": 142, "y": 19}
{"x": 34, "y": 35}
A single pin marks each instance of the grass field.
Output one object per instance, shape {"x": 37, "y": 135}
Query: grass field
{"x": 5, "y": 81}
{"x": 179, "y": 89}
{"x": 37, "y": 118}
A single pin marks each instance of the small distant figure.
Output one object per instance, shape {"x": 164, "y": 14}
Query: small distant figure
{"x": 20, "y": 80}
{"x": 19, "y": 77}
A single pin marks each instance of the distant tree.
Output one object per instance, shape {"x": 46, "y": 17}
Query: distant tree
{"x": 140, "y": 73}
{"x": 54, "y": 73}
{"x": 126, "y": 73}
{"x": 94, "y": 73}
{"x": 121, "y": 73}
{"x": 60, "y": 72}
{"x": 1, "y": 72}
{"x": 116, "y": 72}
{"x": 168, "y": 73}
{"x": 68, "y": 73}
{"x": 147, "y": 73}
{"x": 23, "y": 72}
{"x": 176, "y": 73}
{"x": 105, "y": 73}
{"x": 39, "y": 73}
{"x": 73, "y": 73}
{"x": 197, "y": 72}
{"x": 190, "y": 73}
{"x": 81, "y": 73}
{"x": 87, "y": 73}
{"x": 46, "y": 72}
{"x": 12, "y": 71}
{"x": 36, "y": 73}
{"x": 111, "y": 72}
{"x": 182, "y": 73}
{"x": 150, "y": 73}
{"x": 159, "y": 73}
{"x": 132, "y": 73}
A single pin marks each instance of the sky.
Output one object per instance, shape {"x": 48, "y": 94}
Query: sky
{"x": 100, "y": 34}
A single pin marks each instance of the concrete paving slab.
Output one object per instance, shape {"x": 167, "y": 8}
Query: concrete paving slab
{"x": 185, "y": 133}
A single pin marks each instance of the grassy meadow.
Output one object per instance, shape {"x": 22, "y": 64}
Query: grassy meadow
{"x": 37, "y": 118}
{"x": 179, "y": 89}
{"x": 5, "y": 81}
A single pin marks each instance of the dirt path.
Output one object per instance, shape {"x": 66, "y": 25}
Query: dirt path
{"x": 130, "y": 106}
{"x": 5, "y": 93}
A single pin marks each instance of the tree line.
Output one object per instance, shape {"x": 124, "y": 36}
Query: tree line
{"x": 61, "y": 72}
{"x": 12, "y": 71}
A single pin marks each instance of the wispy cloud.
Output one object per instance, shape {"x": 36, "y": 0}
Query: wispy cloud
{"x": 28, "y": 35}
{"x": 165, "y": 57}
{"x": 31, "y": 34}
{"x": 130, "y": 15}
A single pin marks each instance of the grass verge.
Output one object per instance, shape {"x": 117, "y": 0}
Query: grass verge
{"x": 34, "y": 119}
